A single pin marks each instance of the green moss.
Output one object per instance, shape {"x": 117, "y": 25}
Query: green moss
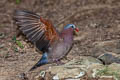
{"x": 103, "y": 71}
{"x": 108, "y": 72}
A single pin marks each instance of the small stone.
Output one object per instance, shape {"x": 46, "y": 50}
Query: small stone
{"x": 94, "y": 73}
{"x": 23, "y": 76}
{"x": 2, "y": 35}
{"x": 42, "y": 73}
{"x": 80, "y": 75}
{"x": 55, "y": 77}
{"x": 40, "y": 76}
{"x": 2, "y": 45}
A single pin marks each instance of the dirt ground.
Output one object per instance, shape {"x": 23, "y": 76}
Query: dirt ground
{"x": 98, "y": 20}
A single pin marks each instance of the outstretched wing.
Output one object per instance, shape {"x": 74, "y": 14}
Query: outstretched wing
{"x": 38, "y": 30}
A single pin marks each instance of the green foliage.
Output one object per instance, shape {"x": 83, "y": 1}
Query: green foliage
{"x": 15, "y": 49}
{"x": 18, "y": 1}
{"x": 18, "y": 43}
{"x": 14, "y": 38}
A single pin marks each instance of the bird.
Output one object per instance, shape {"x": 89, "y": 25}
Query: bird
{"x": 54, "y": 44}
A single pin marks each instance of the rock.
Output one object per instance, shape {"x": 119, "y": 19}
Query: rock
{"x": 107, "y": 51}
{"x": 106, "y": 46}
{"x": 84, "y": 67}
{"x": 108, "y": 58}
{"x": 66, "y": 72}
{"x": 74, "y": 69}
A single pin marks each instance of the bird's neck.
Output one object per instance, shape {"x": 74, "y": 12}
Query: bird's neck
{"x": 67, "y": 35}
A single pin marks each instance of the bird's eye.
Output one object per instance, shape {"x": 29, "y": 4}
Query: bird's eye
{"x": 73, "y": 27}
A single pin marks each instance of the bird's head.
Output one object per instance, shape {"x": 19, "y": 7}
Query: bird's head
{"x": 72, "y": 26}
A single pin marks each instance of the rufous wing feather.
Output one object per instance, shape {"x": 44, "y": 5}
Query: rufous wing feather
{"x": 38, "y": 30}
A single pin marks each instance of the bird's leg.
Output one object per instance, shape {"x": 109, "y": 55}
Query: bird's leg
{"x": 58, "y": 62}
{"x": 65, "y": 58}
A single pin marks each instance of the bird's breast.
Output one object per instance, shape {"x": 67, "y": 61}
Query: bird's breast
{"x": 58, "y": 50}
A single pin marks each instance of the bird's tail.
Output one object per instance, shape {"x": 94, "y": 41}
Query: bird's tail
{"x": 42, "y": 61}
